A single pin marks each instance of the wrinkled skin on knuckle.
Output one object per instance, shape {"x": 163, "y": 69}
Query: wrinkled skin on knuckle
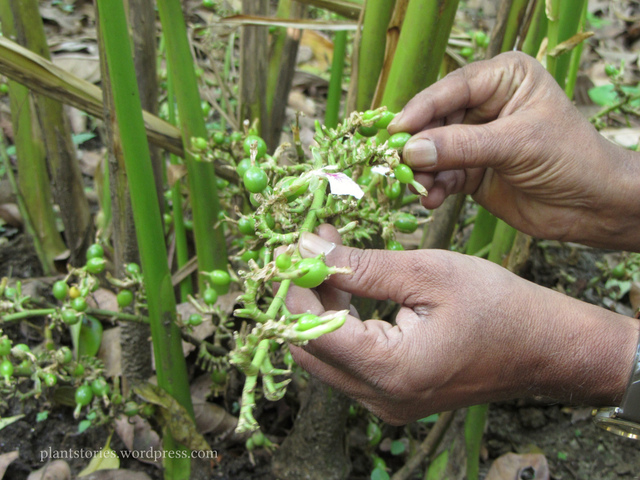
{"x": 437, "y": 269}
{"x": 361, "y": 263}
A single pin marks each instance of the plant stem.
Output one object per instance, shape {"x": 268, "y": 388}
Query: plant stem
{"x": 421, "y": 47}
{"x": 170, "y": 363}
{"x": 372, "y": 47}
{"x": 182, "y": 248}
{"x": 335, "y": 82}
{"x": 210, "y": 243}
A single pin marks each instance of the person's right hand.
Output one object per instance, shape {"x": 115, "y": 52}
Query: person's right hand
{"x": 503, "y": 131}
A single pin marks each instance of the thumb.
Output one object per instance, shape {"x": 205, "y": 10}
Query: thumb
{"x": 463, "y": 146}
{"x": 377, "y": 274}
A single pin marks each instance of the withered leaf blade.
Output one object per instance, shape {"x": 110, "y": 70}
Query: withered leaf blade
{"x": 173, "y": 416}
{"x": 289, "y": 23}
{"x": 512, "y": 465}
{"x": 570, "y": 44}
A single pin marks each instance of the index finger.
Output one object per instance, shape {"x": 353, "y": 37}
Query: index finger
{"x": 473, "y": 94}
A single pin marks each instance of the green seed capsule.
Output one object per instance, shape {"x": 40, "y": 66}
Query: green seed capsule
{"x": 398, "y": 140}
{"x": 403, "y": 173}
{"x": 384, "y": 120}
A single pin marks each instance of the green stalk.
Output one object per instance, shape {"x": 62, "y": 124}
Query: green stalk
{"x": 373, "y": 41}
{"x": 277, "y": 47}
{"x": 576, "y": 55}
{"x": 335, "y": 82}
{"x": 170, "y": 364}
{"x": 22, "y": 207}
{"x": 473, "y": 430}
{"x": 182, "y": 247}
{"x": 482, "y": 232}
{"x": 516, "y": 14}
{"x": 210, "y": 243}
{"x": 105, "y": 202}
{"x": 502, "y": 242}
{"x": 553, "y": 32}
{"x": 421, "y": 47}
{"x": 563, "y": 24}
{"x": 537, "y": 30}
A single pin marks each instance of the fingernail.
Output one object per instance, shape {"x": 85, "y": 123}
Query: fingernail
{"x": 420, "y": 152}
{"x": 395, "y": 121}
{"x": 311, "y": 245}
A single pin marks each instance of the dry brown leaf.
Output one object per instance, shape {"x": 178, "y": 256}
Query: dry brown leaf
{"x": 172, "y": 416}
{"x": 84, "y": 66}
{"x": 138, "y": 436}
{"x": 202, "y": 331}
{"x": 56, "y": 470}
{"x": 307, "y": 24}
{"x": 212, "y": 418}
{"x": 625, "y": 137}
{"x": 78, "y": 120}
{"x": 103, "y": 299}
{"x": 5, "y": 461}
{"x": 89, "y": 161}
{"x": 301, "y": 103}
{"x": 201, "y": 387}
{"x": 510, "y": 466}
{"x": 10, "y": 213}
{"x": 175, "y": 173}
{"x": 110, "y": 352}
{"x": 321, "y": 47}
{"x": 69, "y": 22}
{"x": 570, "y": 44}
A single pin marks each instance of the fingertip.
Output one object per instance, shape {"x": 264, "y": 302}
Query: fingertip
{"x": 420, "y": 153}
{"x": 330, "y": 233}
{"x": 397, "y": 124}
{"x": 312, "y": 245}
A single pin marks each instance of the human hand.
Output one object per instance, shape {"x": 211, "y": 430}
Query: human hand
{"x": 503, "y": 131}
{"x": 468, "y": 332}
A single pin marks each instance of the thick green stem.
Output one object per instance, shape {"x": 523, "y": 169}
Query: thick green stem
{"x": 210, "y": 243}
{"x": 372, "y": 48}
{"x": 421, "y": 47}
{"x": 563, "y": 24}
{"x": 334, "y": 95}
{"x": 537, "y": 30}
{"x": 170, "y": 364}
{"x": 182, "y": 247}
{"x": 576, "y": 55}
{"x": 514, "y": 24}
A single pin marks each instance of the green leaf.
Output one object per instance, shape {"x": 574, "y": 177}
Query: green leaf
{"x": 438, "y": 467}
{"x": 379, "y": 474}
{"x": 106, "y": 459}
{"x": 9, "y": 420}
{"x": 42, "y": 416}
{"x": 83, "y": 425}
{"x": 605, "y": 95}
{"x": 397, "y": 447}
{"x": 90, "y": 336}
{"x": 430, "y": 419}
{"x": 80, "y": 138}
